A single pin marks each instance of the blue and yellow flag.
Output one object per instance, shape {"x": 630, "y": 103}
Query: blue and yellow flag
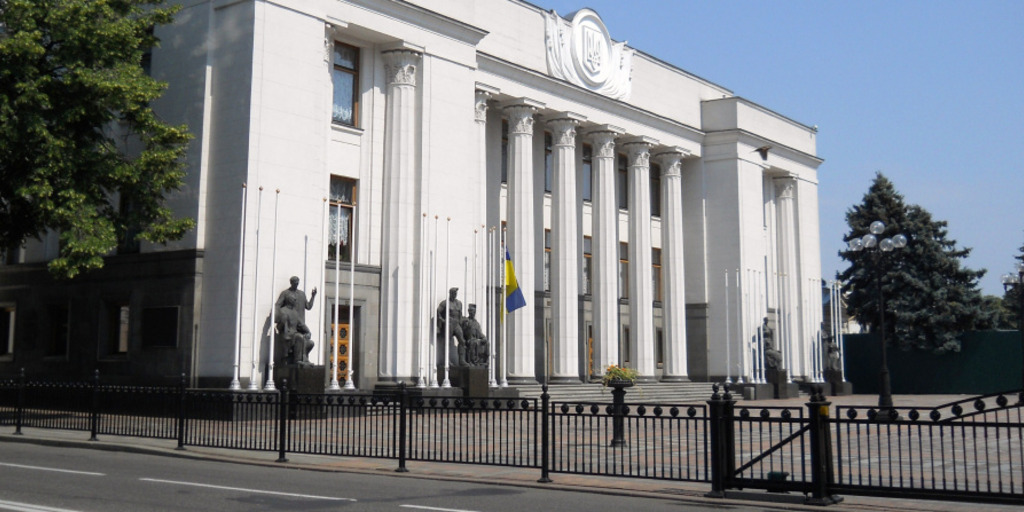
{"x": 513, "y": 295}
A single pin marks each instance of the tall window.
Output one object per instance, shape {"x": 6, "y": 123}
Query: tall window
{"x": 588, "y": 173}
{"x": 6, "y": 331}
{"x": 623, "y": 270}
{"x": 346, "y": 85}
{"x": 624, "y": 344}
{"x": 655, "y": 190}
{"x": 656, "y": 273}
{"x": 622, "y": 183}
{"x": 504, "y": 151}
{"x": 588, "y": 249}
{"x": 548, "y": 177}
{"x": 117, "y": 319}
{"x": 547, "y": 260}
{"x": 57, "y": 345}
{"x": 343, "y": 204}
{"x": 659, "y": 347}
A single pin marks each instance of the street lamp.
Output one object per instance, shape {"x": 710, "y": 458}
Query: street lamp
{"x": 1010, "y": 282}
{"x": 876, "y": 248}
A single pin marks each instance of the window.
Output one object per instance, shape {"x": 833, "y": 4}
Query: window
{"x": 504, "y": 151}
{"x": 346, "y": 85}
{"x": 624, "y": 345}
{"x": 623, "y": 270}
{"x": 6, "y": 332}
{"x": 588, "y": 249}
{"x": 588, "y": 172}
{"x": 547, "y": 260}
{"x": 659, "y": 347}
{"x": 57, "y": 344}
{"x": 548, "y": 178}
{"x": 11, "y": 255}
{"x": 655, "y": 190}
{"x": 117, "y": 317}
{"x": 656, "y": 273}
{"x": 343, "y": 204}
{"x": 160, "y": 327}
{"x": 622, "y": 184}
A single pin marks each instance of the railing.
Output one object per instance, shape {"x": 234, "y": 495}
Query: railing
{"x": 971, "y": 449}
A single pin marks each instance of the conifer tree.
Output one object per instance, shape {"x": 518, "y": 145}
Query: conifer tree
{"x": 1011, "y": 299}
{"x": 81, "y": 151}
{"x": 929, "y": 297}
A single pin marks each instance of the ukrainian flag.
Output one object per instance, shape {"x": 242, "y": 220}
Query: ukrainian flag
{"x": 513, "y": 295}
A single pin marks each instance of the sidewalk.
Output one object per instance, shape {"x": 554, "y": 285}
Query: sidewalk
{"x": 690, "y": 492}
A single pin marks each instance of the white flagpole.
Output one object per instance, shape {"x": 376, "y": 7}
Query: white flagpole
{"x": 728, "y": 338}
{"x": 762, "y": 297}
{"x": 336, "y": 307}
{"x": 253, "y": 381}
{"x": 447, "y": 302}
{"x": 351, "y": 304}
{"x": 323, "y": 278}
{"x": 273, "y": 305}
{"x": 741, "y": 328}
{"x": 424, "y": 302}
{"x": 235, "y": 384}
{"x": 433, "y": 314}
{"x": 489, "y": 298}
{"x": 504, "y": 321}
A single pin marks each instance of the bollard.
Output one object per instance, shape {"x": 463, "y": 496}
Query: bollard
{"x": 19, "y": 416}
{"x": 94, "y": 416}
{"x": 618, "y": 416}
{"x": 181, "y": 413}
{"x": 723, "y": 458}
{"x": 545, "y": 442}
{"x": 403, "y": 400}
{"x": 822, "y": 476}
{"x": 282, "y": 426}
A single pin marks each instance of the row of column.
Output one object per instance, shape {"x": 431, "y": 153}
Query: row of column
{"x": 565, "y": 250}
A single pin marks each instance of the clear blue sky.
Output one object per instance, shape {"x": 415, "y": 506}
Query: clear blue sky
{"x": 930, "y": 93}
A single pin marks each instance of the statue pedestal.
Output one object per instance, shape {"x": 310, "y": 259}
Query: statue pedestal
{"x": 302, "y": 379}
{"x": 472, "y": 380}
{"x": 783, "y": 389}
{"x": 836, "y": 386}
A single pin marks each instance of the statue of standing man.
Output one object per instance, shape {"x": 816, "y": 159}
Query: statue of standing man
{"x": 291, "y": 323}
{"x": 449, "y": 312}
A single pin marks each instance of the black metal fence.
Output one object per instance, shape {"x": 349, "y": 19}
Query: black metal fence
{"x": 972, "y": 449}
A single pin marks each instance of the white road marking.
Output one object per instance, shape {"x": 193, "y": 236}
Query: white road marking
{"x": 256, "y": 491}
{"x": 88, "y": 473}
{"x": 28, "y": 507}
{"x": 421, "y": 507}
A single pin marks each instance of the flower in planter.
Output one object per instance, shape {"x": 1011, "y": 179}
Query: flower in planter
{"x": 615, "y": 372}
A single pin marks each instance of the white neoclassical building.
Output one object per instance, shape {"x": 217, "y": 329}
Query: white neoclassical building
{"x": 387, "y": 147}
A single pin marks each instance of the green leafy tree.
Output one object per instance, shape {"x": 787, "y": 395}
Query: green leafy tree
{"x": 81, "y": 151}
{"x": 929, "y": 297}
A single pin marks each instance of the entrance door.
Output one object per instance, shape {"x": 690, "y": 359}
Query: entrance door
{"x": 340, "y": 337}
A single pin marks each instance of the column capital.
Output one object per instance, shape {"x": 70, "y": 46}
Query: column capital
{"x": 603, "y": 138}
{"x": 638, "y": 149}
{"x": 564, "y": 127}
{"x": 520, "y": 115}
{"x": 400, "y": 66}
{"x": 483, "y": 95}
{"x": 671, "y": 159}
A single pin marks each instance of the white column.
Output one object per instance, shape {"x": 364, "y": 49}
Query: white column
{"x": 401, "y": 212}
{"x": 788, "y": 279}
{"x": 672, "y": 267}
{"x": 641, "y": 296}
{"x": 521, "y": 236}
{"x": 605, "y": 246}
{"x": 564, "y": 249}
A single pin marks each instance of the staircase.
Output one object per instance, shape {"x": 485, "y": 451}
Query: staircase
{"x": 648, "y": 392}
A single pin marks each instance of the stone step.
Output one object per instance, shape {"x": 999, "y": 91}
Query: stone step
{"x": 652, "y": 392}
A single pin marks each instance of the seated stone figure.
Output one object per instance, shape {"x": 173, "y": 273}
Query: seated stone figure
{"x": 474, "y": 351}
{"x": 290, "y": 319}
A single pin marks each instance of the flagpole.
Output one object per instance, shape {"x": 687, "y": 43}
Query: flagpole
{"x": 489, "y": 298}
{"x": 351, "y": 302}
{"x": 424, "y": 303}
{"x": 336, "y": 307}
{"x": 447, "y": 302}
{"x": 323, "y": 277}
{"x": 273, "y": 305}
{"x": 501, "y": 305}
{"x": 235, "y": 384}
{"x": 253, "y": 384}
{"x": 433, "y": 314}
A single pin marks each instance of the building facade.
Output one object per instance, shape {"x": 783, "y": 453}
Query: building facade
{"x": 382, "y": 151}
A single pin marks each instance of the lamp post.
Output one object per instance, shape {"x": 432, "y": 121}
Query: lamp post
{"x": 1011, "y": 282}
{"x": 876, "y": 248}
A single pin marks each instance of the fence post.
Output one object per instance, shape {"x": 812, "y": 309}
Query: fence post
{"x": 545, "y": 440}
{"x": 822, "y": 476}
{"x": 181, "y": 413}
{"x": 723, "y": 460}
{"x": 282, "y": 425}
{"x": 403, "y": 400}
{"x": 94, "y": 415}
{"x": 19, "y": 415}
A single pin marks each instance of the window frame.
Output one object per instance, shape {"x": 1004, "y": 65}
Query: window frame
{"x": 346, "y": 255}
{"x": 9, "y": 310}
{"x": 354, "y": 72}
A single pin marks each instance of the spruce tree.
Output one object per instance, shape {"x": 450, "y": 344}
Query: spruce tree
{"x": 930, "y": 298}
{"x": 81, "y": 151}
{"x": 1011, "y": 298}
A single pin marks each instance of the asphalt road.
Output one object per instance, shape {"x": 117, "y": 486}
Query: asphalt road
{"x": 37, "y": 478}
